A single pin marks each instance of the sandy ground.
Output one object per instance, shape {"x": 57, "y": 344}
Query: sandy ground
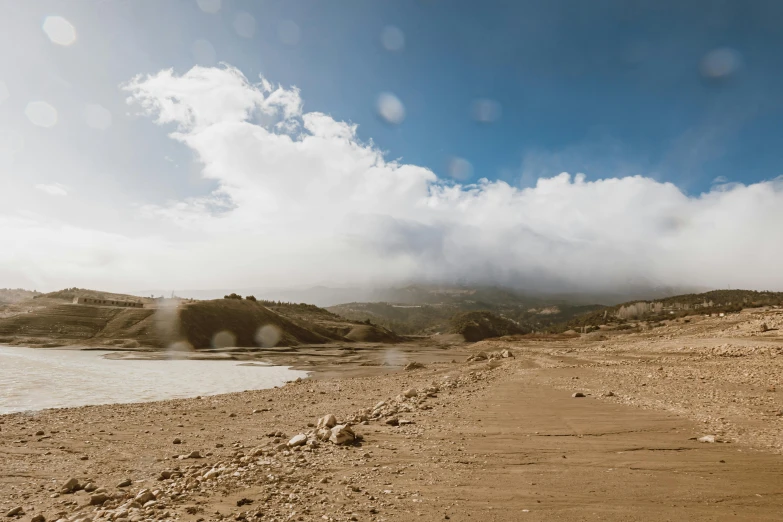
{"x": 479, "y": 441}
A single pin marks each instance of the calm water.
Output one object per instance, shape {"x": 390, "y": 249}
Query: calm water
{"x": 33, "y": 379}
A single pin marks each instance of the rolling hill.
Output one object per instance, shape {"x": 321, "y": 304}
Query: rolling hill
{"x": 52, "y": 319}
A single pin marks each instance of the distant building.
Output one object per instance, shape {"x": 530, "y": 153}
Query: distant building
{"x": 107, "y": 302}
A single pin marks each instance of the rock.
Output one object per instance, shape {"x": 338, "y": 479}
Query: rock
{"x": 404, "y": 422}
{"x": 410, "y": 392}
{"x": 393, "y": 421}
{"x": 481, "y": 356}
{"x": 39, "y": 433}
{"x": 707, "y": 438}
{"x": 144, "y": 496}
{"x": 342, "y": 434}
{"x": 577, "y": 395}
{"x": 195, "y": 454}
{"x": 506, "y": 354}
{"x": 211, "y": 474}
{"x": 609, "y": 394}
{"x": 98, "y": 499}
{"x": 90, "y": 487}
{"x": 327, "y": 421}
{"x": 763, "y": 328}
{"x": 177, "y": 441}
{"x": 38, "y": 518}
{"x": 297, "y": 440}
{"x": 323, "y": 433}
{"x": 15, "y": 512}
{"x": 492, "y": 364}
{"x": 125, "y": 483}
{"x": 413, "y": 366}
{"x": 71, "y": 485}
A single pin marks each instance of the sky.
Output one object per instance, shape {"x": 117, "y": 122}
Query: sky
{"x": 547, "y": 145}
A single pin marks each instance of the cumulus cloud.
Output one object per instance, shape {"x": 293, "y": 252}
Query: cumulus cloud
{"x": 301, "y": 200}
{"x": 53, "y": 189}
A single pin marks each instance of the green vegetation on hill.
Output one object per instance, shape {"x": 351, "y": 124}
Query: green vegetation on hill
{"x": 477, "y": 326}
{"x": 434, "y": 316}
{"x": 715, "y": 301}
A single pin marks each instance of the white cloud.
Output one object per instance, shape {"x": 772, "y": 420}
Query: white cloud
{"x": 53, "y": 189}
{"x": 300, "y": 200}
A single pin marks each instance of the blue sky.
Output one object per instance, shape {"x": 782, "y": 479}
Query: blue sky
{"x": 684, "y": 92}
{"x": 605, "y": 88}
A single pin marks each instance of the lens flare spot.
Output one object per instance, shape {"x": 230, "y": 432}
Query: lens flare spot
{"x": 41, "y": 113}
{"x": 721, "y": 63}
{"x": 392, "y": 38}
{"x": 390, "y": 108}
{"x": 59, "y": 30}
{"x": 97, "y": 117}
{"x": 203, "y": 52}
{"x": 209, "y": 6}
{"x": 224, "y": 339}
{"x": 485, "y": 110}
{"x": 460, "y": 168}
{"x": 289, "y": 32}
{"x": 268, "y": 336}
{"x": 180, "y": 346}
{"x": 245, "y": 25}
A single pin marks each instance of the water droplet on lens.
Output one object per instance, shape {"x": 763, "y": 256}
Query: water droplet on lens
{"x": 288, "y": 32}
{"x": 41, "y": 113}
{"x": 224, "y": 339}
{"x": 209, "y": 6}
{"x": 245, "y": 25}
{"x": 460, "y": 168}
{"x": 59, "y": 30}
{"x": 97, "y": 117}
{"x": 720, "y": 63}
{"x": 390, "y": 108}
{"x": 203, "y": 52}
{"x": 268, "y": 336}
{"x": 485, "y": 110}
{"x": 392, "y": 38}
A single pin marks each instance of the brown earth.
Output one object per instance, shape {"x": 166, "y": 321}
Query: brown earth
{"x": 499, "y": 440}
{"x": 54, "y": 321}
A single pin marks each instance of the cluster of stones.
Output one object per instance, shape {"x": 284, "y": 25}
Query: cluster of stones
{"x": 286, "y": 470}
{"x": 491, "y": 356}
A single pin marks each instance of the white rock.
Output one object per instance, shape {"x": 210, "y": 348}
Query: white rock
{"x": 297, "y": 440}
{"x": 342, "y": 434}
{"x": 144, "y": 496}
{"x": 327, "y": 421}
{"x": 410, "y": 392}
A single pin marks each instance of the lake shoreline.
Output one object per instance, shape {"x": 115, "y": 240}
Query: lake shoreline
{"x": 433, "y": 441}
